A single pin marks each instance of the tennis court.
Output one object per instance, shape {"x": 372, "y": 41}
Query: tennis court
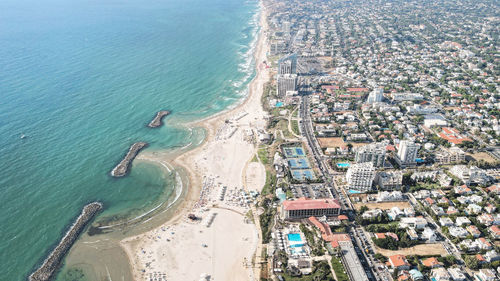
{"x": 302, "y": 174}
{"x": 299, "y": 163}
{"x": 293, "y": 152}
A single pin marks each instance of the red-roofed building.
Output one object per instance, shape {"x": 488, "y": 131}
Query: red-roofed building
{"x": 342, "y": 217}
{"x": 484, "y": 244}
{"x": 357, "y": 90}
{"x": 494, "y": 189}
{"x": 452, "y": 135}
{"x": 325, "y": 230}
{"x": 429, "y": 201}
{"x": 304, "y": 208}
{"x": 404, "y": 276}
{"x": 399, "y": 262}
{"x": 431, "y": 262}
{"x": 494, "y": 231}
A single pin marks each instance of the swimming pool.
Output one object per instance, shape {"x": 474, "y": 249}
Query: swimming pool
{"x": 354, "y": 191}
{"x": 343, "y": 165}
{"x": 279, "y": 104}
{"x": 295, "y": 237}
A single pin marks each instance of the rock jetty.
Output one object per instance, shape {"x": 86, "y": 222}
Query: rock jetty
{"x": 122, "y": 168}
{"x": 157, "y": 121}
{"x": 52, "y": 262}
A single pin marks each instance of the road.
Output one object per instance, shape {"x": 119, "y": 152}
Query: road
{"x": 360, "y": 240}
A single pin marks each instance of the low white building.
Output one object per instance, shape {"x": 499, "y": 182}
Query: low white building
{"x": 462, "y": 221}
{"x": 389, "y": 196}
{"x": 415, "y": 222}
{"x": 445, "y": 221}
{"x": 429, "y": 235}
{"x": 457, "y": 274}
{"x": 457, "y": 231}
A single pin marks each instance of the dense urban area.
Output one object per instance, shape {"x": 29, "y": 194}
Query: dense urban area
{"x": 382, "y": 150}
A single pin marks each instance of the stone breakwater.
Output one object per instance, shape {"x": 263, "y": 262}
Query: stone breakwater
{"x": 122, "y": 168}
{"x": 157, "y": 121}
{"x": 52, "y": 262}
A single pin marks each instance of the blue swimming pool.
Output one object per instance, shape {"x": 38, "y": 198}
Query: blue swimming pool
{"x": 343, "y": 165}
{"x": 354, "y": 191}
{"x": 279, "y": 104}
{"x": 295, "y": 237}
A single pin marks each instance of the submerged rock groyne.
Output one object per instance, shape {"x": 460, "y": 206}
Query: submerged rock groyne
{"x": 122, "y": 168}
{"x": 158, "y": 120}
{"x": 51, "y": 264}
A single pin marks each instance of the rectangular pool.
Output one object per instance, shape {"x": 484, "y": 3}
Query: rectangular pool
{"x": 295, "y": 237}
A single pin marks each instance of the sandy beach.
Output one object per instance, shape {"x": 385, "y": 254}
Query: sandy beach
{"x": 223, "y": 241}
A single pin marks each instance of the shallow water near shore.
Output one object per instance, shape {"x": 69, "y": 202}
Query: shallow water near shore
{"x": 81, "y": 80}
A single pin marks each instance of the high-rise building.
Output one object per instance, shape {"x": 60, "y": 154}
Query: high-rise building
{"x": 360, "y": 176}
{"x": 407, "y": 153}
{"x": 288, "y": 65}
{"x": 377, "y": 95}
{"x": 285, "y": 67}
{"x": 286, "y": 27}
{"x": 278, "y": 47}
{"x": 286, "y": 82}
{"x": 374, "y": 153}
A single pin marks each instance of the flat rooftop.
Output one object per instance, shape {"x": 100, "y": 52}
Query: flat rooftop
{"x": 354, "y": 266}
{"x": 311, "y": 204}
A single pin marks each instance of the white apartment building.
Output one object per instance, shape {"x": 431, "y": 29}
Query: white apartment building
{"x": 374, "y": 153}
{"x": 390, "y": 180}
{"x": 449, "y": 155}
{"x": 407, "y": 153}
{"x": 376, "y": 95}
{"x": 286, "y": 82}
{"x": 360, "y": 176}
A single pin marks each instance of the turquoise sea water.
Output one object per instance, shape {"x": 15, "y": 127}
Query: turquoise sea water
{"x": 81, "y": 79}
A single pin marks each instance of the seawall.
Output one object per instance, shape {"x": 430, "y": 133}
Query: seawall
{"x": 158, "y": 120}
{"x": 52, "y": 262}
{"x": 122, "y": 168}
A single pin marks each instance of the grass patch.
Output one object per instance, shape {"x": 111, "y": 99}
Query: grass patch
{"x": 339, "y": 270}
{"x": 266, "y": 220}
{"x": 270, "y": 182}
{"x": 249, "y": 216}
{"x": 264, "y": 158}
{"x": 295, "y": 127}
{"x": 317, "y": 248}
{"x": 283, "y": 126}
{"x": 254, "y": 159}
{"x": 321, "y": 271}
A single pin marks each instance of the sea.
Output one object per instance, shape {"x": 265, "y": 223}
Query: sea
{"x": 79, "y": 82}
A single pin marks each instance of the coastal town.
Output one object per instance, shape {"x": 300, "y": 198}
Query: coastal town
{"x": 259, "y": 140}
{"x": 367, "y": 149}
{"x": 382, "y": 144}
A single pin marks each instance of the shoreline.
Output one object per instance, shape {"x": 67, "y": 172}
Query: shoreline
{"x": 188, "y": 160}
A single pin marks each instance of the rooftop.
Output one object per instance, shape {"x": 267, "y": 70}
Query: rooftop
{"x": 310, "y": 204}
